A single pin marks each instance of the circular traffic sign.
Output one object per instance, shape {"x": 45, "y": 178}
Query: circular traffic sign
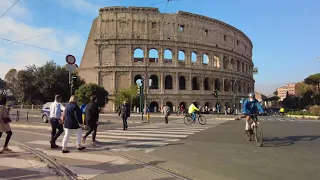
{"x": 70, "y": 59}
{"x": 139, "y": 82}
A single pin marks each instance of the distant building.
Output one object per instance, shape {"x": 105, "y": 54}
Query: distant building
{"x": 282, "y": 91}
{"x": 261, "y": 98}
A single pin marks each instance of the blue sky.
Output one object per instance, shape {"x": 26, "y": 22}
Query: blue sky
{"x": 285, "y": 33}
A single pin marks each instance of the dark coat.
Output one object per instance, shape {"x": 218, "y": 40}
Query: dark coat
{"x": 72, "y": 116}
{"x": 124, "y": 111}
{"x": 92, "y": 114}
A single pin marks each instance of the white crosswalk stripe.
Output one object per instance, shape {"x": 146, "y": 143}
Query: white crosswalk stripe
{"x": 145, "y": 138}
{"x": 283, "y": 119}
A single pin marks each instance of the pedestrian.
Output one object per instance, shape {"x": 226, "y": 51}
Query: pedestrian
{"x": 55, "y": 120}
{"x": 166, "y": 111}
{"x": 4, "y": 124}
{"x": 124, "y": 113}
{"x": 72, "y": 122}
{"x": 91, "y": 119}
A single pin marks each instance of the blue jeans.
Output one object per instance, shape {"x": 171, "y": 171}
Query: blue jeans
{"x": 193, "y": 115}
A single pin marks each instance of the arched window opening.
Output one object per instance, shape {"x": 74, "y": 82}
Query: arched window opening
{"x": 154, "y": 106}
{"x": 206, "y": 84}
{"x": 238, "y": 65}
{"x": 168, "y": 82}
{"x": 225, "y": 63}
{"x": 217, "y": 84}
{"x": 153, "y": 82}
{"x": 182, "y": 83}
{"x": 167, "y": 56}
{"x": 136, "y": 77}
{"x": 195, "y": 83}
{"x": 205, "y": 59}
{"x": 138, "y": 55}
{"x": 193, "y": 57}
{"x": 153, "y": 55}
{"x": 216, "y": 61}
{"x": 233, "y": 64}
{"x": 181, "y": 56}
{"x": 226, "y": 85}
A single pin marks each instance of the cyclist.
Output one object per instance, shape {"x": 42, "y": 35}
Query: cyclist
{"x": 281, "y": 111}
{"x": 192, "y": 109}
{"x": 251, "y": 106}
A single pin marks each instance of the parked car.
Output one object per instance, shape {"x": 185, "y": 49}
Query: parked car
{"x": 45, "y": 111}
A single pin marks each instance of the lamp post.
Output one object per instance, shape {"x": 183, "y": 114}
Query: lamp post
{"x": 234, "y": 93}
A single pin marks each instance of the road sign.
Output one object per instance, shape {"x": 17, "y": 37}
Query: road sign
{"x": 71, "y": 67}
{"x": 70, "y": 59}
{"x": 255, "y": 70}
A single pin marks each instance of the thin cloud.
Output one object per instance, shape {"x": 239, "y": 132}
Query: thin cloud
{"x": 85, "y": 6}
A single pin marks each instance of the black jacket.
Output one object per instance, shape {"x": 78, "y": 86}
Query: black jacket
{"x": 72, "y": 116}
{"x": 92, "y": 113}
{"x": 124, "y": 111}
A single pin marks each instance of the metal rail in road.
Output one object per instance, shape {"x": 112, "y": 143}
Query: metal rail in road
{"x": 56, "y": 166}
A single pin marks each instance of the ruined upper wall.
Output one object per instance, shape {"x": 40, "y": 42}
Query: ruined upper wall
{"x": 120, "y": 22}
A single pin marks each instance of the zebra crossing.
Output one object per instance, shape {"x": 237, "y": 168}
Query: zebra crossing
{"x": 144, "y": 138}
{"x": 286, "y": 119}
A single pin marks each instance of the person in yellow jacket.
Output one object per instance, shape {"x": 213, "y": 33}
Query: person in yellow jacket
{"x": 281, "y": 111}
{"x": 192, "y": 109}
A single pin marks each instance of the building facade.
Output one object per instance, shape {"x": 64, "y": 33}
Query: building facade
{"x": 282, "y": 91}
{"x": 184, "y": 56}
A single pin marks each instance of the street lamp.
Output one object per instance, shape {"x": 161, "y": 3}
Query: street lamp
{"x": 234, "y": 93}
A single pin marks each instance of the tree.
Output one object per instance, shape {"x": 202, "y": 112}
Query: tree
{"x": 301, "y": 88}
{"x": 314, "y": 79}
{"x": 85, "y": 91}
{"x": 40, "y": 84}
{"x": 128, "y": 94}
{"x": 11, "y": 79}
{"x": 2, "y": 88}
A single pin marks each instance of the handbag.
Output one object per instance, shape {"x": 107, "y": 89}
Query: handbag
{"x": 6, "y": 120}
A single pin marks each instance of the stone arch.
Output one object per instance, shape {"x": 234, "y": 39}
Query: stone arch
{"x": 170, "y": 104}
{"x": 216, "y": 61}
{"x": 138, "y": 55}
{"x": 226, "y": 85}
{"x": 242, "y": 65}
{"x": 205, "y": 59}
{"x": 225, "y": 62}
{"x": 168, "y": 56}
{"x": 227, "y": 104}
{"x": 209, "y": 104}
{"x": 154, "y": 106}
{"x": 217, "y": 84}
{"x": 183, "y": 103}
{"x": 195, "y": 83}
{"x": 182, "y": 83}
{"x": 153, "y": 55}
{"x": 181, "y": 56}
{"x": 168, "y": 82}
{"x": 194, "y": 57}
{"x": 233, "y": 64}
{"x": 206, "y": 84}
{"x": 238, "y": 66}
{"x": 239, "y": 84}
{"x": 154, "y": 82}
{"x": 136, "y": 77}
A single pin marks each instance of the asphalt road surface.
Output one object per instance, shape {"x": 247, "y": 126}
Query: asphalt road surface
{"x": 217, "y": 150}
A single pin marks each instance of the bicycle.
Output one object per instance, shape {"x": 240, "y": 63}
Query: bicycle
{"x": 188, "y": 119}
{"x": 180, "y": 113}
{"x": 255, "y": 131}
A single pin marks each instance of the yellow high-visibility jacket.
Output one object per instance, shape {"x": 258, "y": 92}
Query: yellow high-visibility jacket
{"x": 192, "y": 108}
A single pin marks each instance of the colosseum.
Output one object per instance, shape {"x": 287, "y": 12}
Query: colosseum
{"x": 185, "y": 57}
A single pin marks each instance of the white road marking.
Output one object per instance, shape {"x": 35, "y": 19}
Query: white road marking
{"x": 154, "y": 134}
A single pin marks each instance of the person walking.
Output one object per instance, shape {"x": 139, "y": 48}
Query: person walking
{"x": 91, "y": 119}
{"x": 124, "y": 113}
{"x": 166, "y": 111}
{"x": 72, "y": 122}
{"x": 55, "y": 121}
{"x": 4, "y": 124}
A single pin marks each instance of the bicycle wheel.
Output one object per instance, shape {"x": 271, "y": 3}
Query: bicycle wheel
{"x": 258, "y": 135}
{"x": 188, "y": 120}
{"x": 202, "y": 120}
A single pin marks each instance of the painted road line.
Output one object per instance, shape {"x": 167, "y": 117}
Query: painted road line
{"x": 137, "y": 138}
{"x": 154, "y": 134}
{"x": 149, "y": 131}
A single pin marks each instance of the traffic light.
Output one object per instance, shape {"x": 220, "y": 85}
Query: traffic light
{"x": 73, "y": 81}
{"x": 215, "y": 93}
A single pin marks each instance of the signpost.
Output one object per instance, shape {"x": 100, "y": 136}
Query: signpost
{"x": 139, "y": 82}
{"x": 71, "y": 66}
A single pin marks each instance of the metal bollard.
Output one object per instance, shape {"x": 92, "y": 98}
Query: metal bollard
{"x": 27, "y": 115}
{"x": 17, "y": 116}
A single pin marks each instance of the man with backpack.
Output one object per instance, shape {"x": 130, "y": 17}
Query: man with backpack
{"x": 166, "y": 111}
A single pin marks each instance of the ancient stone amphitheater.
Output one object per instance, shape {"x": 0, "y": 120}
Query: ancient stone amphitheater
{"x": 185, "y": 57}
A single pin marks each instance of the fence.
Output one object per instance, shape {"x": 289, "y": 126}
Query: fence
{"x": 32, "y": 106}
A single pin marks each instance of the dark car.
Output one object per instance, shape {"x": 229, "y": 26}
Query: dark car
{"x": 45, "y": 111}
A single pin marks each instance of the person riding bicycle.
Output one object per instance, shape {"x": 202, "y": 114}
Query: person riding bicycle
{"x": 281, "y": 111}
{"x": 192, "y": 109}
{"x": 251, "y": 106}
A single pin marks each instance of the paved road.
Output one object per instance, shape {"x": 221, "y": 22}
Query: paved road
{"x": 215, "y": 151}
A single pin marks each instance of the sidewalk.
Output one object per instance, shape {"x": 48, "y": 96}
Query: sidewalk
{"x": 21, "y": 164}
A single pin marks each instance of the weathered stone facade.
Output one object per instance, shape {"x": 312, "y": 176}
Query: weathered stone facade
{"x": 186, "y": 55}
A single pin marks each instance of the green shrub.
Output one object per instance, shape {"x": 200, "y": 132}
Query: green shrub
{"x": 315, "y": 110}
